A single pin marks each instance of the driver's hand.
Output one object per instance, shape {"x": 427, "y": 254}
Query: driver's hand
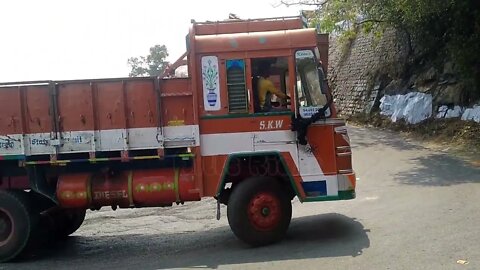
{"x": 286, "y": 101}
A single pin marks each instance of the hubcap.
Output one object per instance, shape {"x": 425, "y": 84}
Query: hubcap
{"x": 264, "y": 211}
{"x": 6, "y": 227}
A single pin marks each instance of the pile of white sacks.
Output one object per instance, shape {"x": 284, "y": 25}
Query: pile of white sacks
{"x": 448, "y": 112}
{"x": 472, "y": 114}
{"x": 415, "y": 107}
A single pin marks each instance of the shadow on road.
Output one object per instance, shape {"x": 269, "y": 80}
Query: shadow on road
{"x": 439, "y": 170}
{"x": 432, "y": 169}
{"x": 327, "y": 235}
{"x": 366, "y": 137}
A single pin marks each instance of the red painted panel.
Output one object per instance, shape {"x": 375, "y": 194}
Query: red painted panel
{"x": 141, "y": 103}
{"x": 110, "y": 105}
{"x": 177, "y": 102}
{"x": 75, "y": 107}
{"x": 272, "y": 40}
{"x": 212, "y": 168}
{"x": 10, "y": 111}
{"x": 37, "y": 109}
{"x": 321, "y": 139}
{"x": 228, "y": 27}
{"x": 96, "y": 104}
{"x": 245, "y": 124}
{"x": 175, "y": 86}
{"x": 177, "y": 111}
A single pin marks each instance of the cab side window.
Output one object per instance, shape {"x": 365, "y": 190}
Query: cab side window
{"x": 269, "y": 81}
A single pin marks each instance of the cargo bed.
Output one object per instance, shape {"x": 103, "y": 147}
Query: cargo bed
{"x": 50, "y": 118}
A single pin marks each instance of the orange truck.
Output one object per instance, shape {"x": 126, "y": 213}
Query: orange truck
{"x": 68, "y": 146}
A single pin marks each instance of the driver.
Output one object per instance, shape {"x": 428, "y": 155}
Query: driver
{"x": 265, "y": 89}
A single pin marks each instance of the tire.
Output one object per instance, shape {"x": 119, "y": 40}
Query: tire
{"x": 73, "y": 220}
{"x": 259, "y": 211}
{"x": 16, "y": 224}
{"x": 63, "y": 222}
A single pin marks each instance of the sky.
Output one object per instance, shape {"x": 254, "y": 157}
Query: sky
{"x": 66, "y": 39}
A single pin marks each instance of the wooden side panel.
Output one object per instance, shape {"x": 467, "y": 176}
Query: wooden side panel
{"x": 141, "y": 104}
{"x": 37, "y": 111}
{"x": 75, "y": 107}
{"x": 76, "y": 117}
{"x": 110, "y": 105}
{"x": 177, "y": 102}
{"x": 96, "y": 115}
{"x": 10, "y": 111}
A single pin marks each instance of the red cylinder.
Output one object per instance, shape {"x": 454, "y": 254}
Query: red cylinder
{"x": 163, "y": 186}
{"x": 153, "y": 187}
{"x": 108, "y": 189}
{"x": 72, "y": 190}
{"x": 139, "y": 188}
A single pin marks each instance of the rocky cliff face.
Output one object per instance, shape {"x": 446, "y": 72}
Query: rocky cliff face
{"x": 368, "y": 68}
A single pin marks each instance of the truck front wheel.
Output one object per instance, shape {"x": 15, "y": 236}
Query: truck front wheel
{"x": 16, "y": 223}
{"x": 259, "y": 211}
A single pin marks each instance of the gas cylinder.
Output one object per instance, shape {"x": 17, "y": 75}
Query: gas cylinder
{"x": 136, "y": 188}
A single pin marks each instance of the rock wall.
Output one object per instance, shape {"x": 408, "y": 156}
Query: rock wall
{"x": 365, "y": 69}
{"x": 354, "y": 68}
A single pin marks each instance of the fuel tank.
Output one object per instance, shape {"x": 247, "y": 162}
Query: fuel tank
{"x": 125, "y": 189}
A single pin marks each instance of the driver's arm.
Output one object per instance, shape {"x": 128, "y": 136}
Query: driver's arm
{"x": 274, "y": 90}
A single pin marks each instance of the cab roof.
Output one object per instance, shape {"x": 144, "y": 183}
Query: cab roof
{"x": 269, "y": 40}
{"x": 248, "y": 26}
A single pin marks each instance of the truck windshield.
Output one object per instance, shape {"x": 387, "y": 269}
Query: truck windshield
{"x": 309, "y": 91}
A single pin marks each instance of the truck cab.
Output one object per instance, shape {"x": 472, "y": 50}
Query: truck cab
{"x": 232, "y": 124}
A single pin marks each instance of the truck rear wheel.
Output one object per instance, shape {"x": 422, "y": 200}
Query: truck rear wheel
{"x": 259, "y": 211}
{"x": 16, "y": 223}
{"x": 64, "y": 222}
{"x": 73, "y": 219}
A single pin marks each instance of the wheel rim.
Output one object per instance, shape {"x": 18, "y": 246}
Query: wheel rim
{"x": 264, "y": 211}
{"x": 6, "y": 226}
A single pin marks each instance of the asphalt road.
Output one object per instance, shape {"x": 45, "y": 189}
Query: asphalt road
{"x": 416, "y": 209}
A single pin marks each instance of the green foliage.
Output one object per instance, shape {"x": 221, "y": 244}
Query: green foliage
{"x": 151, "y": 65}
{"x": 439, "y": 29}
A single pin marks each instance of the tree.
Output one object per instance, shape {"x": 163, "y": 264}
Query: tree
{"x": 440, "y": 28}
{"x": 151, "y": 65}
